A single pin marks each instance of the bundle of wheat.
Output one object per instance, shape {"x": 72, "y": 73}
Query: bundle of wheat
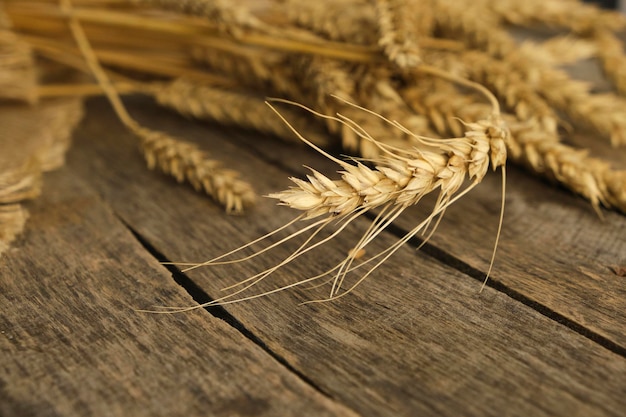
{"x": 429, "y": 93}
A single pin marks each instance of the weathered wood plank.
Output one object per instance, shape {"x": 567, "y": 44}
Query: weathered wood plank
{"x": 72, "y": 344}
{"x": 414, "y": 339}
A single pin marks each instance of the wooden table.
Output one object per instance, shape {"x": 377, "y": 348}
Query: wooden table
{"x": 547, "y": 337}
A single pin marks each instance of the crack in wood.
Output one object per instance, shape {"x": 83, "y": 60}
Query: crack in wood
{"x": 202, "y": 297}
{"x": 447, "y": 258}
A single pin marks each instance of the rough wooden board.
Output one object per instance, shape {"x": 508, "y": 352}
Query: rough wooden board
{"x": 554, "y": 249}
{"x": 415, "y": 339}
{"x": 71, "y": 343}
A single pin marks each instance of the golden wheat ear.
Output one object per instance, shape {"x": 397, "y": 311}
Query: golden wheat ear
{"x": 395, "y": 182}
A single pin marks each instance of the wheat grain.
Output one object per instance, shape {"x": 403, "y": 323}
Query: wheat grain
{"x": 21, "y": 182}
{"x": 615, "y": 181}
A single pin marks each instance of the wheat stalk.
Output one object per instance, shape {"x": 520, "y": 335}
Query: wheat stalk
{"x": 399, "y": 178}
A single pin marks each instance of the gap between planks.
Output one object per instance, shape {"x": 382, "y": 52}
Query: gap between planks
{"x": 200, "y": 296}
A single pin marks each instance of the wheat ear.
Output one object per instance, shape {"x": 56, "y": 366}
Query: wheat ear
{"x": 589, "y": 177}
{"x": 397, "y": 32}
{"x": 227, "y": 15}
{"x": 504, "y": 81}
{"x": 183, "y": 160}
{"x": 397, "y": 180}
{"x": 560, "y": 50}
{"x": 233, "y": 107}
{"x": 346, "y": 21}
{"x": 572, "y": 15}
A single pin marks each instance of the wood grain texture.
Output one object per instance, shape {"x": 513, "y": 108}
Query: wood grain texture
{"x": 414, "y": 339}
{"x": 71, "y": 342}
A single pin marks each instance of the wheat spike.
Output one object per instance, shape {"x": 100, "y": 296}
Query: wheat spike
{"x": 347, "y": 21}
{"x": 401, "y": 176}
{"x": 589, "y": 177}
{"x": 251, "y": 68}
{"x": 504, "y": 81}
{"x": 230, "y": 17}
{"x": 398, "y": 32}
{"x": 472, "y": 24}
{"x": 441, "y": 103}
{"x": 560, "y": 50}
{"x": 398, "y": 179}
{"x": 575, "y": 16}
{"x": 234, "y": 108}
{"x": 605, "y": 113}
{"x": 186, "y": 162}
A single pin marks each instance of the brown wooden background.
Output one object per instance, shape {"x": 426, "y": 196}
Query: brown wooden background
{"x": 547, "y": 337}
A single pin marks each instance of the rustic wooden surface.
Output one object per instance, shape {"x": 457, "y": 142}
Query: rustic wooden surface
{"x": 547, "y": 337}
